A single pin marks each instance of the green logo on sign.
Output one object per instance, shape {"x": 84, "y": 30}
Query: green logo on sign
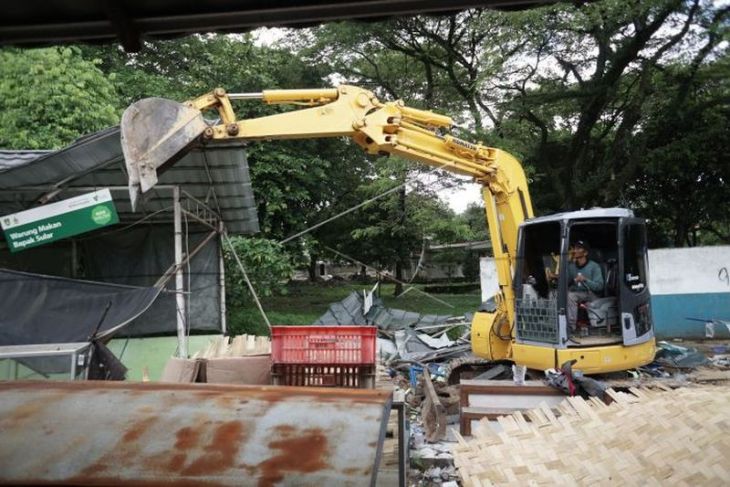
{"x": 101, "y": 215}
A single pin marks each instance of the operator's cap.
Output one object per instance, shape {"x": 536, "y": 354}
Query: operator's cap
{"x": 581, "y": 244}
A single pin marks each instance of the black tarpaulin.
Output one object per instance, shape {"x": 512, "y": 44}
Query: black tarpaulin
{"x": 47, "y": 309}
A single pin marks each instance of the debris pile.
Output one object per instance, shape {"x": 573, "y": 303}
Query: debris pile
{"x": 404, "y": 337}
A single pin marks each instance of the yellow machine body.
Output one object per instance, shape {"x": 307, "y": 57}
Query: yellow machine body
{"x": 156, "y": 131}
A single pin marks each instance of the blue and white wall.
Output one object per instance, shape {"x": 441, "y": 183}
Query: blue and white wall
{"x": 689, "y": 283}
{"x": 684, "y": 283}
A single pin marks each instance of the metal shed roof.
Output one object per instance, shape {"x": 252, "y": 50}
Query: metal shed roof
{"x": 217, "y": 176}
{"x": 38, "y": 22}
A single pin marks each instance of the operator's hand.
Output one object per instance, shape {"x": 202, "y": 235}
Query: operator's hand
{"x": 579, "y": 278}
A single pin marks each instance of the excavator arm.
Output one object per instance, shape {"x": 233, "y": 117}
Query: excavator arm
{"x": 156, "y": 132}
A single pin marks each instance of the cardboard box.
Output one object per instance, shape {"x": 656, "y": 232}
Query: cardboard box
{"x": 250, "y": 370}
{"x": 182, "y": 370}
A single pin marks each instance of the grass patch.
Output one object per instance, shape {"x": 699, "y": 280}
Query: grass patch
{"x": 305, "y": 302}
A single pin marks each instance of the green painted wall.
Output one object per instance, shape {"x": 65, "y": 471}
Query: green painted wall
{"x": 152, "y": 353}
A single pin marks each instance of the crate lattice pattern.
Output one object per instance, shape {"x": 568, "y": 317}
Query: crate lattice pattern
{"x": 537, "y": 320}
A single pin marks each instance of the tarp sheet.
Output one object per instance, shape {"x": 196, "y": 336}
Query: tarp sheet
{"x": 47, "y": 309}
{"x": 138, "y": 256}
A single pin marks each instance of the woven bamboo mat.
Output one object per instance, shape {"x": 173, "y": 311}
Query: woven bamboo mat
{"x": 650, "y": 436}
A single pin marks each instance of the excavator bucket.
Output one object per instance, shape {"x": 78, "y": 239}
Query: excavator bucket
{"x": 156, "y": 132}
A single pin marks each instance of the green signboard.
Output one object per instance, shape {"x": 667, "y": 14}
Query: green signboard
{"x": 56, "y": 221}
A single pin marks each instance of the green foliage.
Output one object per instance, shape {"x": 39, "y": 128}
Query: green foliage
{"x": 51, "y": 96}
{"x": 267, "y": 265}
{"x": 589, "y": 95}
{"x": 685, "y": 144}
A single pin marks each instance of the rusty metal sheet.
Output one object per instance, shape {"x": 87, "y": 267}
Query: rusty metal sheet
{"x": 101, "y": 433}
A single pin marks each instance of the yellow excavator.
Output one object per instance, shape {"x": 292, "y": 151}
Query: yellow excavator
{"x": 529, "y": 321}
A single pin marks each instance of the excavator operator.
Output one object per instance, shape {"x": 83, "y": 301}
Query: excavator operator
{"x": 585, "y": 278}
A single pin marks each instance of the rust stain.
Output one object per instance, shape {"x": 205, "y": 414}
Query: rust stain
{"x": 177, "y": 462}
{"x": 349, "y": 471}
{"x": 93, "y": 470}
{"x": 134, "y": 432}
{"x": 305, "y": 453}
{"x": 272, "y": 394}
{"x": 25, "y": 411}
{"x": 186, "y": 438}
{"x": 109, "y": 480}
{"x": 221, "y": 452}
{"x": 167, "y": 462}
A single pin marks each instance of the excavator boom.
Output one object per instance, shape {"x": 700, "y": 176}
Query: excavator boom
{"x": 156, "y": 132}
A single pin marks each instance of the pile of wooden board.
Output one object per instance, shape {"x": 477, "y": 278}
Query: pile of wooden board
{"x": 244, "y": 359}
{"x": 646, "y": 437}
{"x": 239, "y": 346}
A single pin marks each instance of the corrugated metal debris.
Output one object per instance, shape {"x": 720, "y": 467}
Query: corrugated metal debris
{"x": 97, "y": 433}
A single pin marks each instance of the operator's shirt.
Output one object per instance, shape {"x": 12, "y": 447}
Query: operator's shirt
{"x": 591, "y": 271}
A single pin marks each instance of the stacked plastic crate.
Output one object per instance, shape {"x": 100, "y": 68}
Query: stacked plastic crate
{"x": 324, "y": 356}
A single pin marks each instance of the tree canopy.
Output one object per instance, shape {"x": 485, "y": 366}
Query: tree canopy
{"x": 606, "y": 103}
{"x": 49, "y": 97}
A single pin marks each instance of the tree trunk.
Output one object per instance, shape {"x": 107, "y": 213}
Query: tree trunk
{"x": 402, "y": 245}
{"x": 398, "y": 275}
{"x": 312, "y": 268}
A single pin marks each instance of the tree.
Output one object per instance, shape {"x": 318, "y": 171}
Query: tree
{"x": 567, "y": 88}
{"x": 267, "y": 266}
{"x": 297, "y": 183}
{"x": 49, "y": 97}
{"x": 397, "y": 226}
{"x": 683, "y": 184}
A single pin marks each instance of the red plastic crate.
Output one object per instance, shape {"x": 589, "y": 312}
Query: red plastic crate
{"x": 332, "y": 345}
{"x": 309, "y": 375}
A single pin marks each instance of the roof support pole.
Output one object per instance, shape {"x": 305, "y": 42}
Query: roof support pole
{"x": 182, "y": 344}
{"x": 222, "y": 277}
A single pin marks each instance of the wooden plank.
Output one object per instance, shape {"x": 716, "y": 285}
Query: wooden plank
{"x": 513, "y": 401}
{"x": 507, "y": 387}
{"x": 493, "y": 397}
{"x": 432, "y": 411}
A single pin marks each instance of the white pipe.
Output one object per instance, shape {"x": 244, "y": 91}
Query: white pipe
{"x": 222, "y": 279}
{"x": 182, "y": 344}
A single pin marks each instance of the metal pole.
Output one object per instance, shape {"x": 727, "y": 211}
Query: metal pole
{"x": 182, "y": 345}
{"x": 73, "y": 366}
{"x": 402, "y": 444}
{"x": 74, "y": 257}
{"x": 222, "y": 279}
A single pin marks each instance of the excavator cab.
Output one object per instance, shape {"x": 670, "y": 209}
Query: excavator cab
{"x": 615, "y": 312}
